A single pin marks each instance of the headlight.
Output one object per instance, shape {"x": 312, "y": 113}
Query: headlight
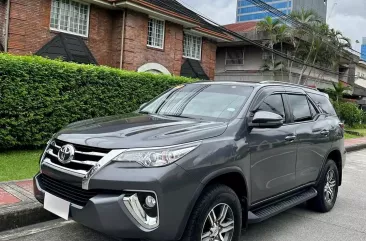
{"x": 44, "y": 152}
{"x": 157, "y": 157}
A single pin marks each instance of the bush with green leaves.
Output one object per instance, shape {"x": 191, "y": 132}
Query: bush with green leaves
{"x": 349, "y": 113}
{"x": 39, "y": 96}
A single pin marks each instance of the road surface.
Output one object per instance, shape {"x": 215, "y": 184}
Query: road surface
{"x": 347, "y": 221}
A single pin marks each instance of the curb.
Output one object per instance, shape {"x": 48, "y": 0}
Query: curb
{"x": 23, "y": 215}
{"x": 356, "y": 147}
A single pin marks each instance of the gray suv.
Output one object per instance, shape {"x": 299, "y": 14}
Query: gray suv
{"x": 197, "y": 163}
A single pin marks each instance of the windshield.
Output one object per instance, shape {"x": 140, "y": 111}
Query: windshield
{"x": 201, "y": 101}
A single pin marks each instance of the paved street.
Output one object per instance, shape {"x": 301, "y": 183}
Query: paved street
{"x": 347, "y": 221}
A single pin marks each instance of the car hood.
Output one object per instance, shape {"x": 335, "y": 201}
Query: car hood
{"x": 138, "y": 131}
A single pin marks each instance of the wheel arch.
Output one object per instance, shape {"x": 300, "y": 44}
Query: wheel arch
{"x": 335, "y": 155}
{"x": 220, "y": 176}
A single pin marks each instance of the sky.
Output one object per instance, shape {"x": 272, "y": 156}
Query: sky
{"x": 349, "y": 18}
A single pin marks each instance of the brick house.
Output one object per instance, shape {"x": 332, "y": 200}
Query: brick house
{"x": 139, "y": 35}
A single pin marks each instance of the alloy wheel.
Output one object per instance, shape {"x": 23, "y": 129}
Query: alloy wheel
{"x": 219, "y": 224}
{"x": 330, "y": 186}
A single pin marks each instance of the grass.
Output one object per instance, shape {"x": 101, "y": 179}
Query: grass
{"x": 18, "y": 165}
{"x": 349, "y": 136}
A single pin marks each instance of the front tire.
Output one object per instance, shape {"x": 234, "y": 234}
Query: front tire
{"x": 217, "y": 216}
{"x": 327, "y": 189}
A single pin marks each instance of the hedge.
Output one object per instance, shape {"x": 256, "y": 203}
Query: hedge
{"x": 349, "y": 113}
{"x": 39, "y": 96}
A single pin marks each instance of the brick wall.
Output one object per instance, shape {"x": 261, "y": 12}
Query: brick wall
{"x": 136, "y": 52}
{"x": 3, "y": 5}
{"x": 208, "y": 60}
{"x": 29, "y": 29}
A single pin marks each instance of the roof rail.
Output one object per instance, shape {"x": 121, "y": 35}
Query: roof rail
{"x": 287, "y": 83}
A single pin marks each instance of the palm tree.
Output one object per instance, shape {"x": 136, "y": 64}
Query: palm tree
{"x": 338, "y": 91}
{"x": 271, "y": 27}
{"x": 307, "y": 17}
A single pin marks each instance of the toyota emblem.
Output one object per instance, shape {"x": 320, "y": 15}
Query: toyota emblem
{"x": 66, "y": 154}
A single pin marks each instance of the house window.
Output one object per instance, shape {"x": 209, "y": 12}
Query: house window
{"x": 70, "y": 17}
{"x": 234, "y": 56}
{"x": 192, "y": 47}
{"x": 156, "y": 33}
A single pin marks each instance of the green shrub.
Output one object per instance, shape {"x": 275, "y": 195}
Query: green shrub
{"x": 364, "y": 117}
{"x": 39, "y": 96}
{"x": 349, "y": 113}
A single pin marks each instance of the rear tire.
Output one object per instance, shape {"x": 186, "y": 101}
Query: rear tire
{"x": 217, "y": 213}
{"x": 327, "y": 189}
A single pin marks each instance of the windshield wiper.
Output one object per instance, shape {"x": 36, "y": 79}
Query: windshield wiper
{"x": 181, "y": 116}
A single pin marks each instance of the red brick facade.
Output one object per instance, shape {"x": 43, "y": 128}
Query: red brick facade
{"x": 29, "y": 30}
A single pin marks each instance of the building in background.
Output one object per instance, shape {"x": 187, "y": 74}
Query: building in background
{"x": 246, "y": 11}
{"x": 145, "y": 36}
{"x": 363, "y": 49}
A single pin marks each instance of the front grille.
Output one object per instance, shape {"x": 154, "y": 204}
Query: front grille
{"x": 85, "y": 157}
{"x": 68, "y": 192}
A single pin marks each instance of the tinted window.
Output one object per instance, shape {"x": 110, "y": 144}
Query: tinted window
{"x": 201, "y": 101}
{"x": 313, "y": 110}
{"x": 324, "y": 103}
{"x": 300, "y": 108}
{"x": 273, "y": 103}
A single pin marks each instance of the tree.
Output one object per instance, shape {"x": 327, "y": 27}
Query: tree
{"x": 338, "y": 91}
{"x": 271, "y": 27}
{"x": 310, "y": 18}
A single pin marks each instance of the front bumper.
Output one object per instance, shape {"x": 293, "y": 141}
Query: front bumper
{"x": 108, "y": 213}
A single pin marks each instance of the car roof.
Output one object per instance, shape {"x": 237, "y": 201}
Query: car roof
{"x": 264, "y": 83}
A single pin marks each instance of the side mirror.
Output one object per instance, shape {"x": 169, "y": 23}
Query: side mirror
{"x": 265, "y": 119}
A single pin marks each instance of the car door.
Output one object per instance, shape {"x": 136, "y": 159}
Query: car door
{"x": 272, "y": 150}
{"x": 312, "y": 134}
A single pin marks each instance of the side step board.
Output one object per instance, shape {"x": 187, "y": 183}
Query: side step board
{"x": 263, "y": 213}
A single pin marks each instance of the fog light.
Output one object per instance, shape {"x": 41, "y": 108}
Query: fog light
{"x": 150, "y": 201}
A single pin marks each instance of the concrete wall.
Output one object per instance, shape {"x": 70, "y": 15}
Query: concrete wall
{"x": 317, "y": 5}
{"x": 361, "y": 75}
{"x": 250, "y": 70}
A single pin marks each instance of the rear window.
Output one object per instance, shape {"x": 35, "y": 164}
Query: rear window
{"x": 324, "y": 103}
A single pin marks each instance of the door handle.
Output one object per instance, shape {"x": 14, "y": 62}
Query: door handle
{"x": 324, "y": 132}
{"x": 290, "y": 138}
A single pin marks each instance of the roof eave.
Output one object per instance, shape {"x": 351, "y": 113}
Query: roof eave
{"x": 212, "y": 35}
{"x": 155, "y": 11}
{"x": 158, "y": 13}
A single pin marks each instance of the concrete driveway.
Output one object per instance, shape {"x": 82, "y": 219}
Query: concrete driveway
{"x": 347, "y": 221}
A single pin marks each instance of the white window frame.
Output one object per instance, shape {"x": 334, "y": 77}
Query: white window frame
{"x": 196, "y": 36}
{"x": 70, "y": 32}
{"x": 163, "y": 37}
{"x": 226, "y": 58}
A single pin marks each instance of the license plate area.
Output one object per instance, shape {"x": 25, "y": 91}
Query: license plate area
{"x": 57, "y": 206}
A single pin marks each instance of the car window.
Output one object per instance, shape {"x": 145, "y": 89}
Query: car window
{"x": 273, "y": 103}
{"x": 202, "y": 101}
{"x": 313, "y": 110}
{"x": 324, "y": 103}
{"x": 300, "y": 108}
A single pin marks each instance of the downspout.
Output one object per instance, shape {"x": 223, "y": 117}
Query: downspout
{"x": 7, "y": 26}
{"x": 123, "y": 38}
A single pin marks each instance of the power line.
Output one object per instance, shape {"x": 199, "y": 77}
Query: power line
{"x": 289, "y": 19}
{"x": 279, "y": 53}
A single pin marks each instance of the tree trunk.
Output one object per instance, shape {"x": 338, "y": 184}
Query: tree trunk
{"x": 311, "y": 70}
{"x": 307, "y": 60}
{"x": 292, "y": 62}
